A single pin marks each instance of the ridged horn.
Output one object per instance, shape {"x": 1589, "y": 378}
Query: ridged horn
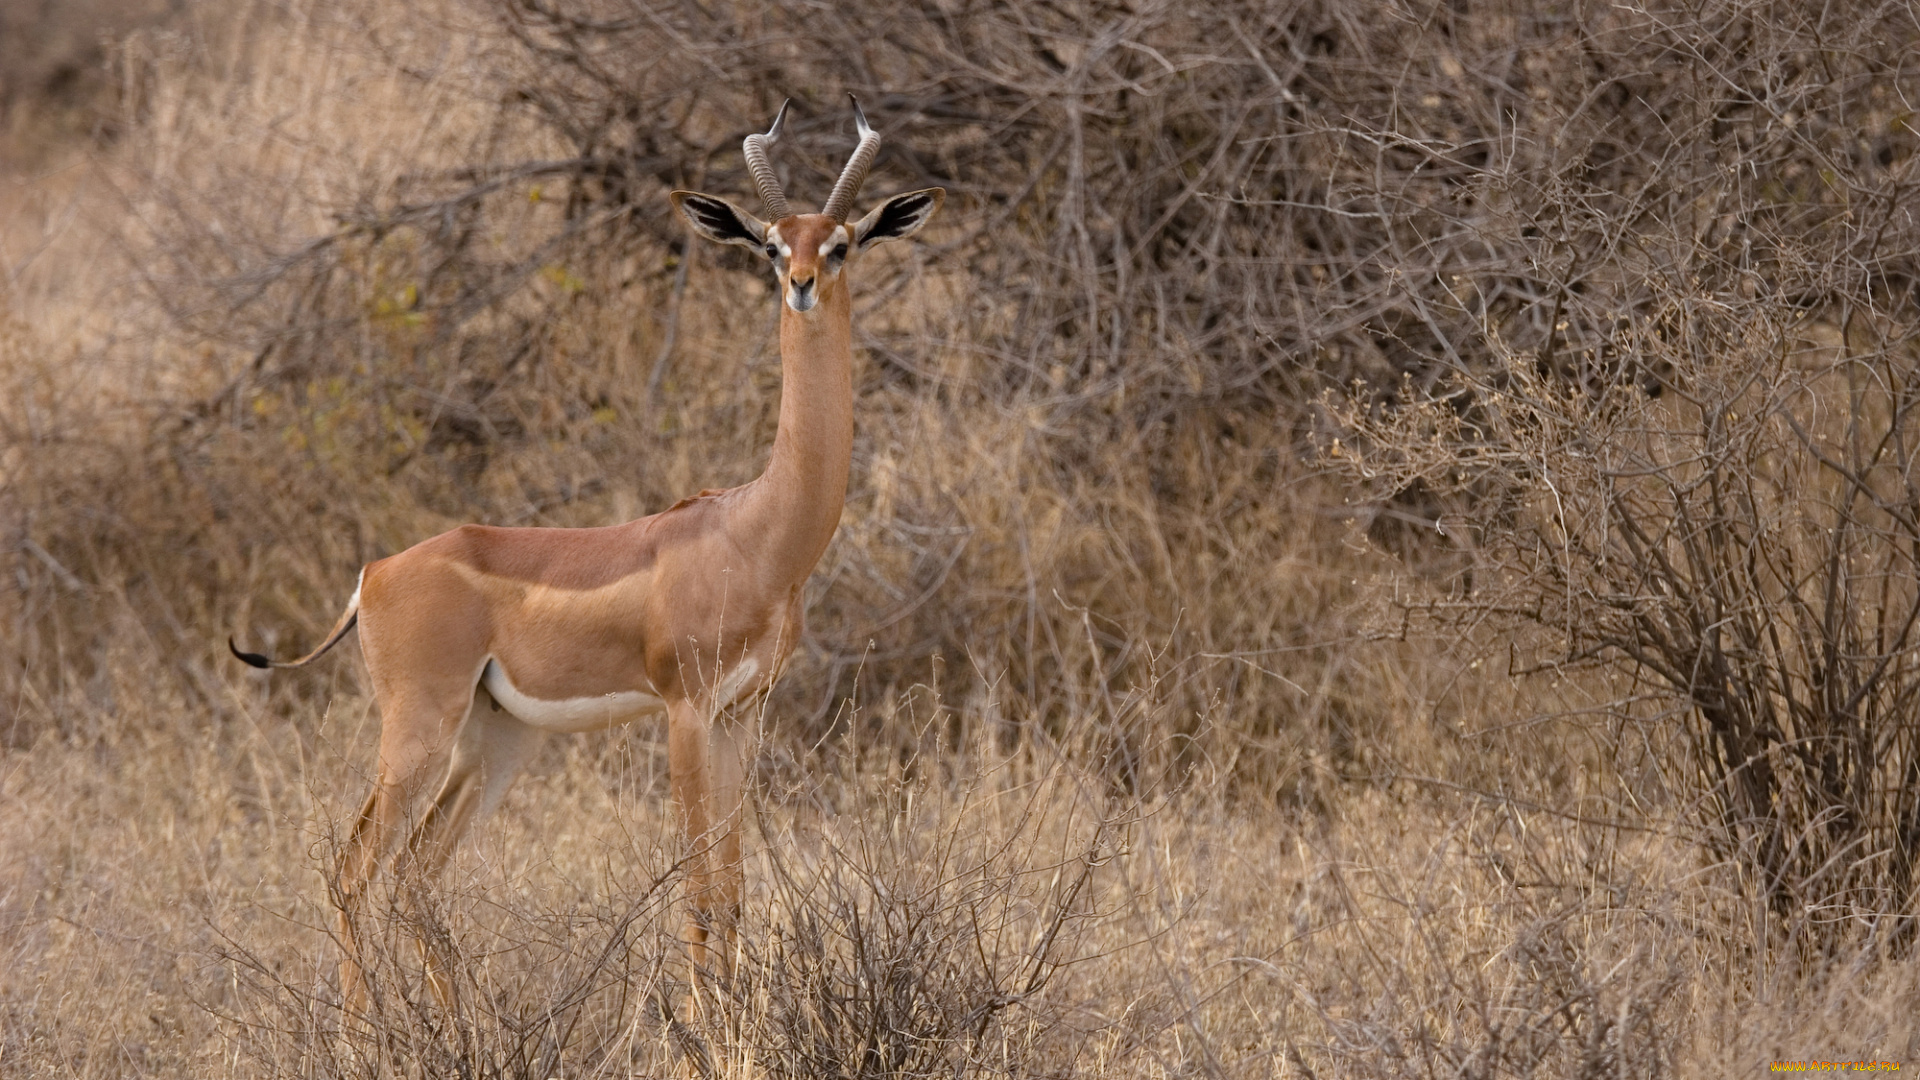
{"x": 755, "y": 149}
{"x": 851, "y": 177}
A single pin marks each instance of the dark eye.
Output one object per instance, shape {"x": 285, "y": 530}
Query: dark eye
{"x": 773, "y": 252}
{"x": 839, "y": 252}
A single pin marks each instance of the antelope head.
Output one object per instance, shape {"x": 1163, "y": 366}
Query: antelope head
{"x": 810, "y": 252}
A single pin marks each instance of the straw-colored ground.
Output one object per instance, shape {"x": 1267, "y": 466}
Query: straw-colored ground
{"x": 1104, "y": 756}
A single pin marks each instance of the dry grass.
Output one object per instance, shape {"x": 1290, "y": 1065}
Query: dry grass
{"x": 1105, "y": 754}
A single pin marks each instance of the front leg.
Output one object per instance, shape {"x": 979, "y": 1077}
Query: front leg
{"x": 707, "y": 759}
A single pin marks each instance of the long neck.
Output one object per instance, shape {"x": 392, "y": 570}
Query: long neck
{"x": 791, "y": 511}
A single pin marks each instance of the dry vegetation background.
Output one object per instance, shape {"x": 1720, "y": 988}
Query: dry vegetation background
{"x": 1382, "y": 539}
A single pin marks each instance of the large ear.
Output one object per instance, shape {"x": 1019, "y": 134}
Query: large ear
{"x": 718, "y": 219}
{"x": 898, "y": 217}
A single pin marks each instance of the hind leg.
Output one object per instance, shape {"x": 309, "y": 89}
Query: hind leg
{"x": 415, "y": 730}
{"x": 491, "y": 750}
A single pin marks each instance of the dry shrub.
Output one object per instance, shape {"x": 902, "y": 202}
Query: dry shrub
{"x": 1696, "y": 469}
{"x": 1741, "y": 549}
{"x": 360, "y": 273}
{"x": 56, "y": 87}
{"x": 918, "y": 929}
{"x": 536, "y": 990}
{"x": 1569, "y": 982}
{"x": 894, "y": 929}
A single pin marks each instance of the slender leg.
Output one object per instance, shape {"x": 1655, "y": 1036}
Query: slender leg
{"x": 410, "y": 739}
{"x": 365, "y": 844}
{"x": 726, "y": 765}
{"x": 707, "y": 760}
{"x": 492, "y": 748}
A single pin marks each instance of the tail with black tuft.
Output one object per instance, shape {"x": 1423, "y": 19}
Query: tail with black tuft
{"x": 251, "y": 659}
{"x": 348, "y": 619}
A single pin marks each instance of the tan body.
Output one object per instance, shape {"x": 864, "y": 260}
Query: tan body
{"x": 481, "y": 641}
{"x": 568, "y": 630}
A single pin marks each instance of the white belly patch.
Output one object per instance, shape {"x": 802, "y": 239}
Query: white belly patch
{"x": 568, "y": 715}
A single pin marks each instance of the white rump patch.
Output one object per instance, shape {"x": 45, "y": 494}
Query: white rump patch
{"x": 568, "y": 715}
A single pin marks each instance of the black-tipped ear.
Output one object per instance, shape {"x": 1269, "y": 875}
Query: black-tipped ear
{"x": 718, "y": 219}
{"x": 898, "y": 217}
